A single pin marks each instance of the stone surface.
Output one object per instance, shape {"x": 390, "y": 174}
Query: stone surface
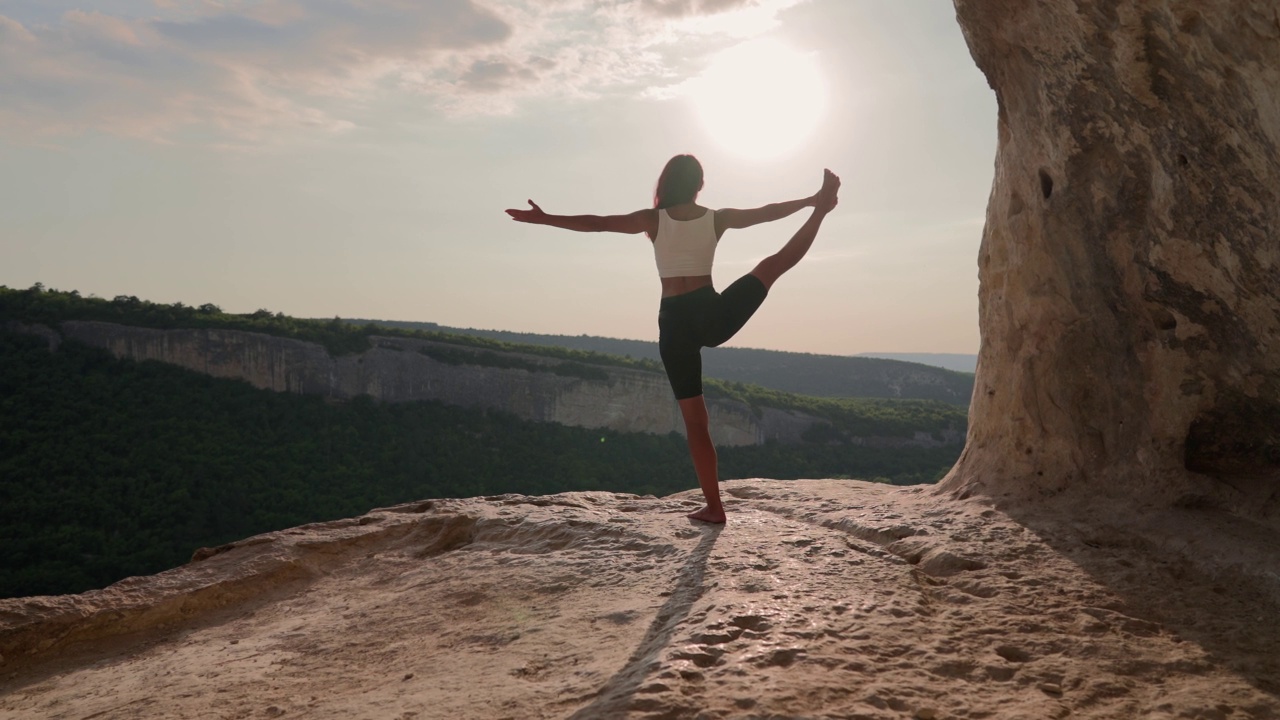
{"x": 819, "y": 599}
{"x": 1130, "y": 264}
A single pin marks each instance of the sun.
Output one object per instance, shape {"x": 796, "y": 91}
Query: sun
{"x": 761, "y": 99}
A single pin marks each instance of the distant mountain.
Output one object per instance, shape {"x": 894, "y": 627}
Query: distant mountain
{"x": 959, "y": 362}
{"x": 801, "y": 373}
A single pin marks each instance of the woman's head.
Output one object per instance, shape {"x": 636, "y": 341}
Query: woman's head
{"x": 679, "y": 182}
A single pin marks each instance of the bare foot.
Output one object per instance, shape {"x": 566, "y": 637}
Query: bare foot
{"x": 706, "y": 514}
{"x": 826, "y": 198}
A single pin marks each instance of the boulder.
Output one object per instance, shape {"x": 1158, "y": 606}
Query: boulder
{"x": 1129, "y": 302}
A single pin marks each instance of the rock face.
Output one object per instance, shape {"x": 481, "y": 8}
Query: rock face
{"x": 918, "y": 376}
{"x": 1130, "y": 265}
{"x": 819, "y": 599}
{"x": 404, "y": 370}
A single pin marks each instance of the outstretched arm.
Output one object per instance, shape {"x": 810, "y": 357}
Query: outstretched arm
{"x": 732, "y": 218}
{"x": 645, "y": 221}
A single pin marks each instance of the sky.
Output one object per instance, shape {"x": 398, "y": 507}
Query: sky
{"x": 353, "y": 158}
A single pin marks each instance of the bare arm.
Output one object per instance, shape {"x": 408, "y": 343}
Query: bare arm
{"x": 640, "y": 221}
{"x": 736, "y": 219}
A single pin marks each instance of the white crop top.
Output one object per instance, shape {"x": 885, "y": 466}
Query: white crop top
{"x": 685, "y": 247}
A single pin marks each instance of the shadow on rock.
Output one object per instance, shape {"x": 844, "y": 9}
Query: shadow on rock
{"x": 616, "y": 697}
{"x": 1197, "y": 575}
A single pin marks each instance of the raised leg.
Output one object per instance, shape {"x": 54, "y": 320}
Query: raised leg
{"x": 697, "y": 425}
{"x": 771, "y": 268}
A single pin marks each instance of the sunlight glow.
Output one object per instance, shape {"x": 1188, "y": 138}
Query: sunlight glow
{"x": 760, "y": 100}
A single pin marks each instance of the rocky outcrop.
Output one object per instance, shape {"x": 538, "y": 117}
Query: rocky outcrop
{"x": 398, "y": 369}
{"x": 819, "y": 599}
{"x": 404, "y": 370}
{"x": 1130, "y": 264}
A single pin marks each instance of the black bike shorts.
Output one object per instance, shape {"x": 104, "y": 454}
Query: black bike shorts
{"x": 702, "y": 318}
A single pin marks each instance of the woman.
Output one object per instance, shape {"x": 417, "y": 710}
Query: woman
{"x": 692, "y": 314}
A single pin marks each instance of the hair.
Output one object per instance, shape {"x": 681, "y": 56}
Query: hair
{"x": 679, "y": 182}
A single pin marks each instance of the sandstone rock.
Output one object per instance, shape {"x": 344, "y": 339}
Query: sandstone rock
{"x": 599, "y": 605}
{"x": 1130, "y": 301}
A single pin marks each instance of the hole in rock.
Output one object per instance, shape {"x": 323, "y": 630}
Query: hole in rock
{"x": 1237, "y": 441}
{"x": 1013, "y": 654}
{"x": 1046, "y": 184}
{"x": 1182, "y": 160}
{"x": 1164, "y": 320}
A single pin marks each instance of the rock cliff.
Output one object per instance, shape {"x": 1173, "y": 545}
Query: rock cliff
{"x": 403, "y": 370}
{"x": 1130, "y": 264}
{"x": 904, "y": 376}
{"x": 819, "y": 599}
{"x": 398, "y": 369}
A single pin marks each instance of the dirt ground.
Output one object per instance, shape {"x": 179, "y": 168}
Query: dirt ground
{"x": 818, "y": 599}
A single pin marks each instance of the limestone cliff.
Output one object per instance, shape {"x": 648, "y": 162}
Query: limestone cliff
{"x": 1130, "y": 264}
{"x": 401, "y": 370}
{"x": 397, "y": 369}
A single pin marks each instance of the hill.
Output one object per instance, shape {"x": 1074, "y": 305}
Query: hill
{"x": 341, "y": 361}
{"x": 799, "y": 373}
{"x": 959, "y": 362}
{"x": 115, "y": 467}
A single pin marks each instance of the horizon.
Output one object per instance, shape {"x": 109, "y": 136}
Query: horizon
{"x": 963, "y": 358}
{"x": 643, "y": 339}
{"x": 320, "y": 161}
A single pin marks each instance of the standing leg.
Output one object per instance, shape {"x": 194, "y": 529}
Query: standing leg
{"x": 772, "y": 267}
{"x": 682, "y": 359}
{"x": 697, "y": 427}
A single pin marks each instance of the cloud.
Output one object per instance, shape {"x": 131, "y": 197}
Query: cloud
{"x": 233, "y": 70}
{"x": 243, "y": 70}
{"x": 497, "y": 75}
{"x": 686, "y": 8}
{"x": 13, "y": 34}
{"x": 325, "y": 30}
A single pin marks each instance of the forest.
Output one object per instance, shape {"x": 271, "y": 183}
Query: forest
{"x": 111, "y": 468}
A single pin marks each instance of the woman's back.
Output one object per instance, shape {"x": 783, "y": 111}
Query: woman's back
{"x": 687, "y": 211}
{"x": 685, "y": 244}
